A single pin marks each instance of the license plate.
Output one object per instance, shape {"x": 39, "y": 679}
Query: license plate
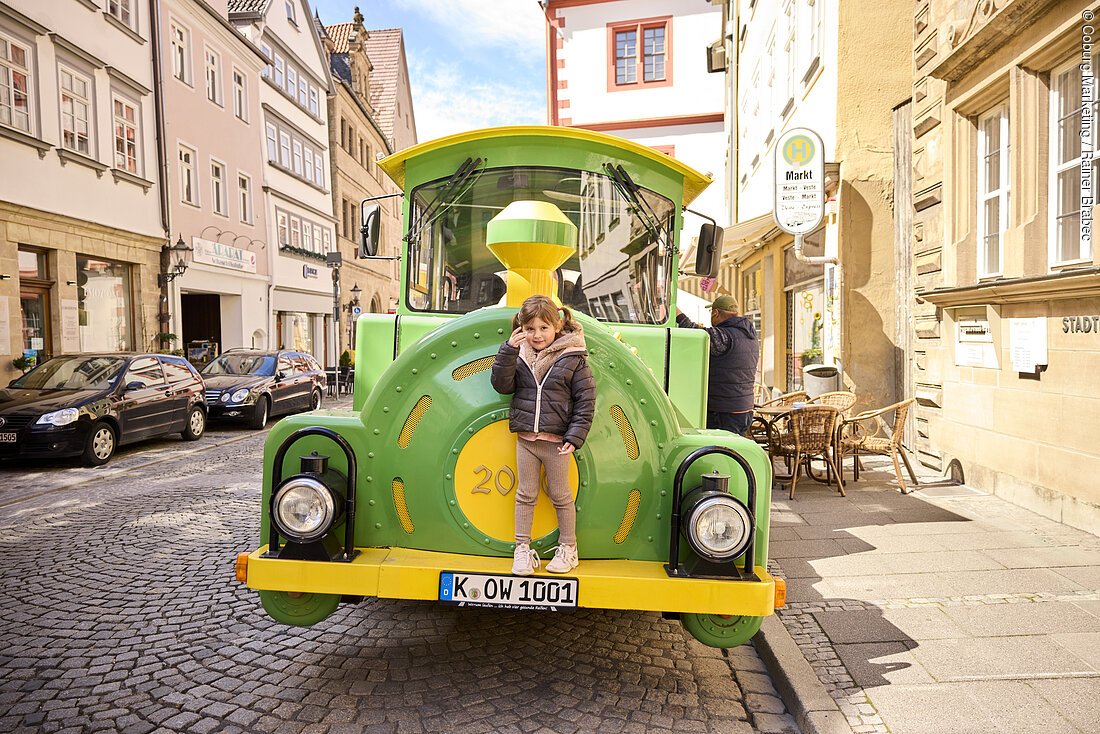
{"x": 509, "y": 592}
{"x": 8, "y": 437}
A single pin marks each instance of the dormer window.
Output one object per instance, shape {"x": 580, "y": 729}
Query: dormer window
{"x": 290, "y": 12}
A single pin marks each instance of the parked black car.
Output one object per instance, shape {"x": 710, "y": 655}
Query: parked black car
{"x": 89, "y": 404}
{"x": 253, "y": 385}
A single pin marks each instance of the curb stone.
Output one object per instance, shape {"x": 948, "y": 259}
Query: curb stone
{"x": 802, "y": 691}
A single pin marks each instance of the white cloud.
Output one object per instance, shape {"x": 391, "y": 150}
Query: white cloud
{"x": 445, "y": 104}
{"x": 518, "y": 25}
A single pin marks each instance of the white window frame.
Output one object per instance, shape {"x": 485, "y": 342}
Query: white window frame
{"x": 122, "y": 125}
{"x": 318, "y": 169}
{"x": 307, "y": 160}
{"x": 212, "y": 63}
{"x": 291, "y": 14}
{"x": 296, "y": 156}
{"x": 815, "y": 41}
{"x": 326, "y": 246}
{"x": 295, "y": 231}
{"x": 303, "y": 91}
{"x": 181, "y": 51}
{"x": 77, "y": 101}
{"x": 1056, "y": 249}
{"x": 10, "y": 112}
{"x": 307, "y": 235}
{"x": 272, "y": 136}
{"x": 244, "y": 198}
{"x": 282, "y": 227}
{"x": 265, "y": 49}
{"x": 218, "y": 195}
{"x": 291, "y": 87}
{"x": 188, "y": 176}
{"x": 990, "y": 191}
{"x": 280, "y": 70}
{"x": 314, "y": 96}
{"x": 240, "y": 94}
{"x": 124, "y": 11}
{"x": 790, "y": 48}
{"x": 284, "y": 149}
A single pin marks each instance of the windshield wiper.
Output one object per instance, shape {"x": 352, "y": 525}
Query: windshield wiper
{"x": 631, "y": 191}
{"x": 448, "y": 193}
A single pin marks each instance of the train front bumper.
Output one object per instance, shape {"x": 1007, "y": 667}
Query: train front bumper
{"x": 403, "y": 573}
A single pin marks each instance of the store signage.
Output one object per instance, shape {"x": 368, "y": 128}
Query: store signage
{"x": 799, "y": 181}
{"x": 1081, "y": 324}
{"x": 1027, "y": 343}
{"x": 223, "y": 256}
{"x": 308, "y": 271}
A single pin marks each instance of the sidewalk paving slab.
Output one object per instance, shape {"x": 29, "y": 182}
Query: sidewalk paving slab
{"x": 947, "y": 610}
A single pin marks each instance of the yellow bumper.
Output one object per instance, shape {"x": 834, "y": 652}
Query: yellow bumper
{"x": 402, "y": 573}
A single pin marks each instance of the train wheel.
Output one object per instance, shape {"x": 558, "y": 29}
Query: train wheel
{"x": 719, "y": 630}
{"x": 302, "y": 609}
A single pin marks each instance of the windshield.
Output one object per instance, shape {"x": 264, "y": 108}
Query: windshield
{"x": 620, "y": 272}
{"x": 242, "y": 364}
{"x": 72, "y": 373}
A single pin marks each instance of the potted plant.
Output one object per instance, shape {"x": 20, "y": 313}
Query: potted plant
{"x": 345, "y": 359}
{"x": 23, "y": 364}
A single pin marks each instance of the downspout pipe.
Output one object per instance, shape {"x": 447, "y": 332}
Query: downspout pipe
{"x": 162, "y": 155}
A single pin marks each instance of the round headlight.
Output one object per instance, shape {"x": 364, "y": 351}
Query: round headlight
{"x": 718, "y": 526}
{"x": 304, "y": 509}
{"x": 240, "y": 396}
{"x": 225, "y": 397}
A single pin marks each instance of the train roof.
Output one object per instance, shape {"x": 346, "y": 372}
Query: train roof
{"x": 694, "y": 181}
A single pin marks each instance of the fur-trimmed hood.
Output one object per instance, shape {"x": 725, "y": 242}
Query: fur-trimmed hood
{"x": 570, "y": 342}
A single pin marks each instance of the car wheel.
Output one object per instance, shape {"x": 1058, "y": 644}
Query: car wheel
{"x": 259, "y": 415}
{"x": 100, "y": 445}
{"x": 315, "y": 403}
{"x": 196, "y": 424}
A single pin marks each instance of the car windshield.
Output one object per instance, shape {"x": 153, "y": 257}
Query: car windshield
{"x": 72, "y": 373}
{"x": 619, "y": 272}
{"x": 242, "y": 364}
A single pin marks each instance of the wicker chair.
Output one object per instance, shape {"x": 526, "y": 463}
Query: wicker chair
{"x": 761, "y": 429}
{"x": 841, "y": 400}
{"x": 867, "y": 434}
{"x": 809, "y": 433}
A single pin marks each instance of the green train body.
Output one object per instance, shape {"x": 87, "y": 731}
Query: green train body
{"x": 424, "y": 465}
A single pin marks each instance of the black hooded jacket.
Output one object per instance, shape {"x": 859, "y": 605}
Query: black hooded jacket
{"x": 734, "y": 353}
{"x": 562, "y": 403}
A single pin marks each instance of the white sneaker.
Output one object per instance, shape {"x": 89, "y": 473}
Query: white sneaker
{"x": 564, "y": 560}
{"x": 524, "y": 560}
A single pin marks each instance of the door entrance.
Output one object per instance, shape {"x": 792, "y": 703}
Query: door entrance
{"x": 202, "y": 319}
{"x": 34, "y": 307}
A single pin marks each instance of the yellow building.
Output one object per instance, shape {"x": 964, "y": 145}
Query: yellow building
{"x": 1006, "y": 347}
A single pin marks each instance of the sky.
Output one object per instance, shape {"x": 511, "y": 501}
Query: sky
{"x": 472, "y": 63}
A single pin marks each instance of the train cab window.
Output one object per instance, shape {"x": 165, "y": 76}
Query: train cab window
{"x": 622, "y": 260}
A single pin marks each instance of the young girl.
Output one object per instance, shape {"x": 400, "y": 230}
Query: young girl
{"x": 554, "y": 398}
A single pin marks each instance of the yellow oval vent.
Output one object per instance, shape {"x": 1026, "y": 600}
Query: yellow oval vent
{"x": 472, "y": 368}
{"x": 401, "y": 506}
{"x": 629, "y": 439}
{"x": 413, "y": 420}
{"x": 632, "y": 501}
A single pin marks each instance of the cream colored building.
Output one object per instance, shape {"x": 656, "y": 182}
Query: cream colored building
{"x": 81, "y": 220}
{"x": 356, "y": 141}
{"x": 213, "y": 127}
{"x": 297, "y": 180}
{"x": 796, "y": 63}
{"x": 1005, "y": 340}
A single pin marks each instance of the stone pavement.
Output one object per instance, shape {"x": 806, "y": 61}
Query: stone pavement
{"x": 946, "y": 610}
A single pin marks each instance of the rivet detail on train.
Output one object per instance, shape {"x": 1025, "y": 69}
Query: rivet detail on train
{"x": 413, "y": 420}
{"x": 629, "y": 439}
{"x": 633, "y": 500}
{"x": 472, "y": 368}
{"x": 402, "y": 507}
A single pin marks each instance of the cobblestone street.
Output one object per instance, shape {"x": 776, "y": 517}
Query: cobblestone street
{"x": 121, "y": 613}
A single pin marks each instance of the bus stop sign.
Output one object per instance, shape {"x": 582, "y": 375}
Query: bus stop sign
{"x": 799, "y": 181}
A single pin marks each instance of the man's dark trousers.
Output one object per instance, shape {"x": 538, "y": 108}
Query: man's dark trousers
{"x": 733, "y": 422}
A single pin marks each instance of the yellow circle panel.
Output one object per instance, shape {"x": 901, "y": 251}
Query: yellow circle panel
{"x": 485, "y": 485}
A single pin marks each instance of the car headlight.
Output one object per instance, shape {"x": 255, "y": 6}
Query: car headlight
{"x": 225, "y": 397}
{"x": 304, "y": 509}
{"x": 240, "y": 396}
{"x": 62, "y": 417}
{"x": 717, "y": 525}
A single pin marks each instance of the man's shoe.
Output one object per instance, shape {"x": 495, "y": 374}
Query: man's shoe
{"x": 564, "y": 560}
{"x": 524, "y": 560}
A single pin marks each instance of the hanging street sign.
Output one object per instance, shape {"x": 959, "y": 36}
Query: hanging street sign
{"x": 799, "y": 181}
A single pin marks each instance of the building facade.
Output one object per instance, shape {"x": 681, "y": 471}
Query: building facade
{"x": 356, "y": 142}
{"x": 213, "y": 128}
{"x": 81, "y": 217}
{"x": 638, "y": 69}
{"x": 297, "y": 182}
{"x": 801, "y": 64}
{"x": 1005, "y": 319}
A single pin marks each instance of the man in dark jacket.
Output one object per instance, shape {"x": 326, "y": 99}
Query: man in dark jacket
{"x": 734, "y": 353}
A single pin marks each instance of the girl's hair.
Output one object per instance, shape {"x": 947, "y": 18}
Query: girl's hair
{"x": 561, "y": 318}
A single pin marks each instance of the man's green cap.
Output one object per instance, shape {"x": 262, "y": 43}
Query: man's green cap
{"x": 724, "y": 303}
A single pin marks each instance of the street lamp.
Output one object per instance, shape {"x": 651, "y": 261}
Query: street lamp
{"x": 169, "y": 270}
{"x": 355, "y": 291}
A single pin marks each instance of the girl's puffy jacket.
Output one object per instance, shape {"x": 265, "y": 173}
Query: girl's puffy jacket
{"x": 562, "y": 402}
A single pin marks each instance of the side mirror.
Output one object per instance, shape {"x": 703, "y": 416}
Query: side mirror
{"x": 368, "y": 231}
{"x": 135, "y": 385}
{"x": 280, "y": 375}
{"x": 708, "y": 254}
